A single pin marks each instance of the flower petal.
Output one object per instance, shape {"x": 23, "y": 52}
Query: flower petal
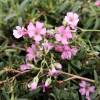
{"x": 39, "y": 25}
{"x": 37, "y": 38}
{"x": 82, "y": 91}
{"x": 83, "y": 84}
{"x": 92, "y": 89}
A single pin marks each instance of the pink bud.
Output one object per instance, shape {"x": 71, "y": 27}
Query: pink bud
{"x": 58, "y": 66}
{"x": 32, "y": 86}
{"x": 59, "y": 48}
{"x": 24, "y": 67}
{"x": 53, "y": 72}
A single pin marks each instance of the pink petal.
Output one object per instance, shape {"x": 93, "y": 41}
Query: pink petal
{"x": 33, "y": 46}
{"x": 70, "y": 14}
{"x": 92, "y": 89}
{"x": 58, "y": 37}
{"x": 64, "y": 40}
{"x": 29, "y": 50}
{"x": 18, "y": 28}
{"x": 43, "y": 31}
{"x": 39, "y": 25}
{"x": 66, "y": 55}
{"x": 66, "y": 47}
{"x": 60, "y": 30}
{"x": 87, "y": 93}
{"x": 68, "y": 33}
{"x": 24, "y": 67}
{"x": 88, "y": 98}
{"x": 75, "y": 16}
{"x": 82, "y": 91}
{"x": 31, "y": 30}
{"x": 83, "y": 84}
{"x": 33, "y": 86}
{"x": 30, "y": 26}
{"x": 53, "y": 72}
{"x": 37, "y": 38}
{"x": 29, "y": 57}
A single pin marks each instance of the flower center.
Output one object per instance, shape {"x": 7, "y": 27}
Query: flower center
{"x": 71, "y": 18}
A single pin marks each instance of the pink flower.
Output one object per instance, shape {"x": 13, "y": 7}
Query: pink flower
{"x": 59, "y": 48}
{"x": 36, "y": 31}
{"x": 63, "y": 34}
{"x": 24, "y": 67}
{"x": 97, "y": 3}
{"x": 19, "y": 32}
{"x": 71, "y": 19}
{"x": 66, "y": 55}
{"x": 53, "y": 72}
{"x": 86, "y": 89}
{"x": 68, "y": 52}
{"x": 31, "y": 53}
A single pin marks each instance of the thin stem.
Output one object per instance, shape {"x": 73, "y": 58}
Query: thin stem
{"x": 68, "y": 79}
{"x": 19, "y": 48}
{"x": 88, "y": 30}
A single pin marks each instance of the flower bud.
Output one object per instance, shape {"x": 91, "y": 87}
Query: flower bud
{"x": 33, "y": 84}
{"x": 47, "y": 82}
{"x": 97, "y": 3}
{"x": 58, "y": 65}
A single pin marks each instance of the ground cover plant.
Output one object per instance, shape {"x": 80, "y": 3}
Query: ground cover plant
{"x": 49, "y": 50}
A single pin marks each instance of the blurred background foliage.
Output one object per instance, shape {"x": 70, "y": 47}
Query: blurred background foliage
{"x": 51, "y": 12}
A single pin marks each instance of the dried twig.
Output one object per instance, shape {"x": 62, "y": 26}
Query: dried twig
{"x": 19, "y": 73}
{"x": 14, "y": 77}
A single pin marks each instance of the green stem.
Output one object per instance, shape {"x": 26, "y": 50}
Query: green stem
{"x": 88, "y": 30}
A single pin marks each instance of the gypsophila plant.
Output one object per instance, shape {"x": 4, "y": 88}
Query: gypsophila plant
{"x": 44, "y": 45}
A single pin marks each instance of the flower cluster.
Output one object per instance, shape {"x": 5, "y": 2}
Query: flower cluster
{"x": 42, "y": 45}
{"x": 66, "y": 51}
{"x": 37, "y": 32}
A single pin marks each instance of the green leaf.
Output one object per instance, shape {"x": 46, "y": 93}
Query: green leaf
{"x": 95, "y": 76}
